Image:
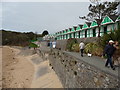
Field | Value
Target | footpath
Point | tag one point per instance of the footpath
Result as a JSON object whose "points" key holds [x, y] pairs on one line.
{"points": [[95, 61]]}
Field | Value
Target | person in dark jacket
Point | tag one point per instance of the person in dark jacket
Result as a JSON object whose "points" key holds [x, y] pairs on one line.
{"points": [[109, 51]]}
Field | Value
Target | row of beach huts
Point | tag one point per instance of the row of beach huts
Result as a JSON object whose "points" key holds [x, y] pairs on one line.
{"points": [[89, 29]]}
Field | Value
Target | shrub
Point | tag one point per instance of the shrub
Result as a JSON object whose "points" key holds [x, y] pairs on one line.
{"points": [[70, 43], [32, 45], [111, 36], [75, 47], [94, 49]]}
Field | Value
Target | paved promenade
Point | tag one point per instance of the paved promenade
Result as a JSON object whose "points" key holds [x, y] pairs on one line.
{"points": [[95, 61]]}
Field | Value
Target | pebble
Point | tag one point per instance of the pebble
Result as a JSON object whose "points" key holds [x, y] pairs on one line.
{"points": [[78, 68], [12, 68], [27, 79], [89, 68], [95, 79], [107, 79], [105, 85], [82, 65]]}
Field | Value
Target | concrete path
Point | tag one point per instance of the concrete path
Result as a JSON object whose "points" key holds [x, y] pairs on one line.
{"points": [[95, 61]]}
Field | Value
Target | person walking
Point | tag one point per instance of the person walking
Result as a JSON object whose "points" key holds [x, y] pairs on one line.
{"points": [[54, 44], [50, 44], [109, 51], [82, 46]]}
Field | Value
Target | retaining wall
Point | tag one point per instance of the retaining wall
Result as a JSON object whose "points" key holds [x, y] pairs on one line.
{"points": [[74, 73]]}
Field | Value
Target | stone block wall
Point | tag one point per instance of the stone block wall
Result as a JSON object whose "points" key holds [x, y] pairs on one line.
{"points": [[61, 44], [75, 73]]}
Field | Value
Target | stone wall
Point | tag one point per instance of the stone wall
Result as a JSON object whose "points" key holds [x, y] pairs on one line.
{"points": [[75, 73], [61, 44]]}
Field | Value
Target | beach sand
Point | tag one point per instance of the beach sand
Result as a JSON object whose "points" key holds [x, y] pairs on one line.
{"points": [[22, 69], [17, 70]]}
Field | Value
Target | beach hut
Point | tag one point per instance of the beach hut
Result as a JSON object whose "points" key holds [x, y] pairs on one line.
{"points": [[108, 24], [94, 28], [79, 27], [73, 32], [68, 33], [85, 30], [117, 22]]}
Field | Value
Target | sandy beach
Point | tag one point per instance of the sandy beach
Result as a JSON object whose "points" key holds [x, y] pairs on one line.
{"points": [[17, 70], [24, 69]]}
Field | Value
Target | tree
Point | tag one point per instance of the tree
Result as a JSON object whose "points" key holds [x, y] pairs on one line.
{"points": [[100, 10], [45, 33]]}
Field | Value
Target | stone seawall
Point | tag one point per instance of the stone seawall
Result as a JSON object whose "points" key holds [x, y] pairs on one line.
{"points": [[74, 73]]}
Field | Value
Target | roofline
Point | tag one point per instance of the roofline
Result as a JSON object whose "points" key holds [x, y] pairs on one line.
{"points": [[103, 19]]}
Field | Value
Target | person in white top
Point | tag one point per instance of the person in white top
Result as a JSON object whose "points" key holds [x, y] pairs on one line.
{"points": [[82, 46], [54, 44]]}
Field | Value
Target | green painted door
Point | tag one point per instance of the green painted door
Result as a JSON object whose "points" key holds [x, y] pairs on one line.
{"points": [[74, 35], [105, 30], [79, 34], [70, 35], [66, 36], [94, 32], [85, 33]]}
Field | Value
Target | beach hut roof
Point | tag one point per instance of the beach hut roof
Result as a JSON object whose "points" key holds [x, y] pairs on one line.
{"points": [[118, 18], [113, 17], [80, 25], [88, 23], [109, 19], [98, 21]]}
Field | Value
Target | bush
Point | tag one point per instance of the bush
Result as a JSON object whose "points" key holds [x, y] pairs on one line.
{"points": [[70, 43], [115, 36], [94, 49], [75, 47], [32, 45]]}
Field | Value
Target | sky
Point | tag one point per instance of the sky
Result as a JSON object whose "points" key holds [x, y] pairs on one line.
{"points": [[24, 16]]}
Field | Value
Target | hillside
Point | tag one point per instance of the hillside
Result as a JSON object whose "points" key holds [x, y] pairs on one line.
{"points": [[13, 38]]}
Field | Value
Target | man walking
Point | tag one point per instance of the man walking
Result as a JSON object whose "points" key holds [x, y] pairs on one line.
{"points": [[109, 50], [82, 46]]}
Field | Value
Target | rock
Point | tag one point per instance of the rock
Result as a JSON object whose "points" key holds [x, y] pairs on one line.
{"points": [[95, 79], [107, 79], [88, 67], [27, 79], [105, 85], [73, 76], [83, 65], [12, 69], [78, 68], [119, 59]]}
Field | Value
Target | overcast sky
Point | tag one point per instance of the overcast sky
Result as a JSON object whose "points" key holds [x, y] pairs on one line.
{"points": [[40, 16]]}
